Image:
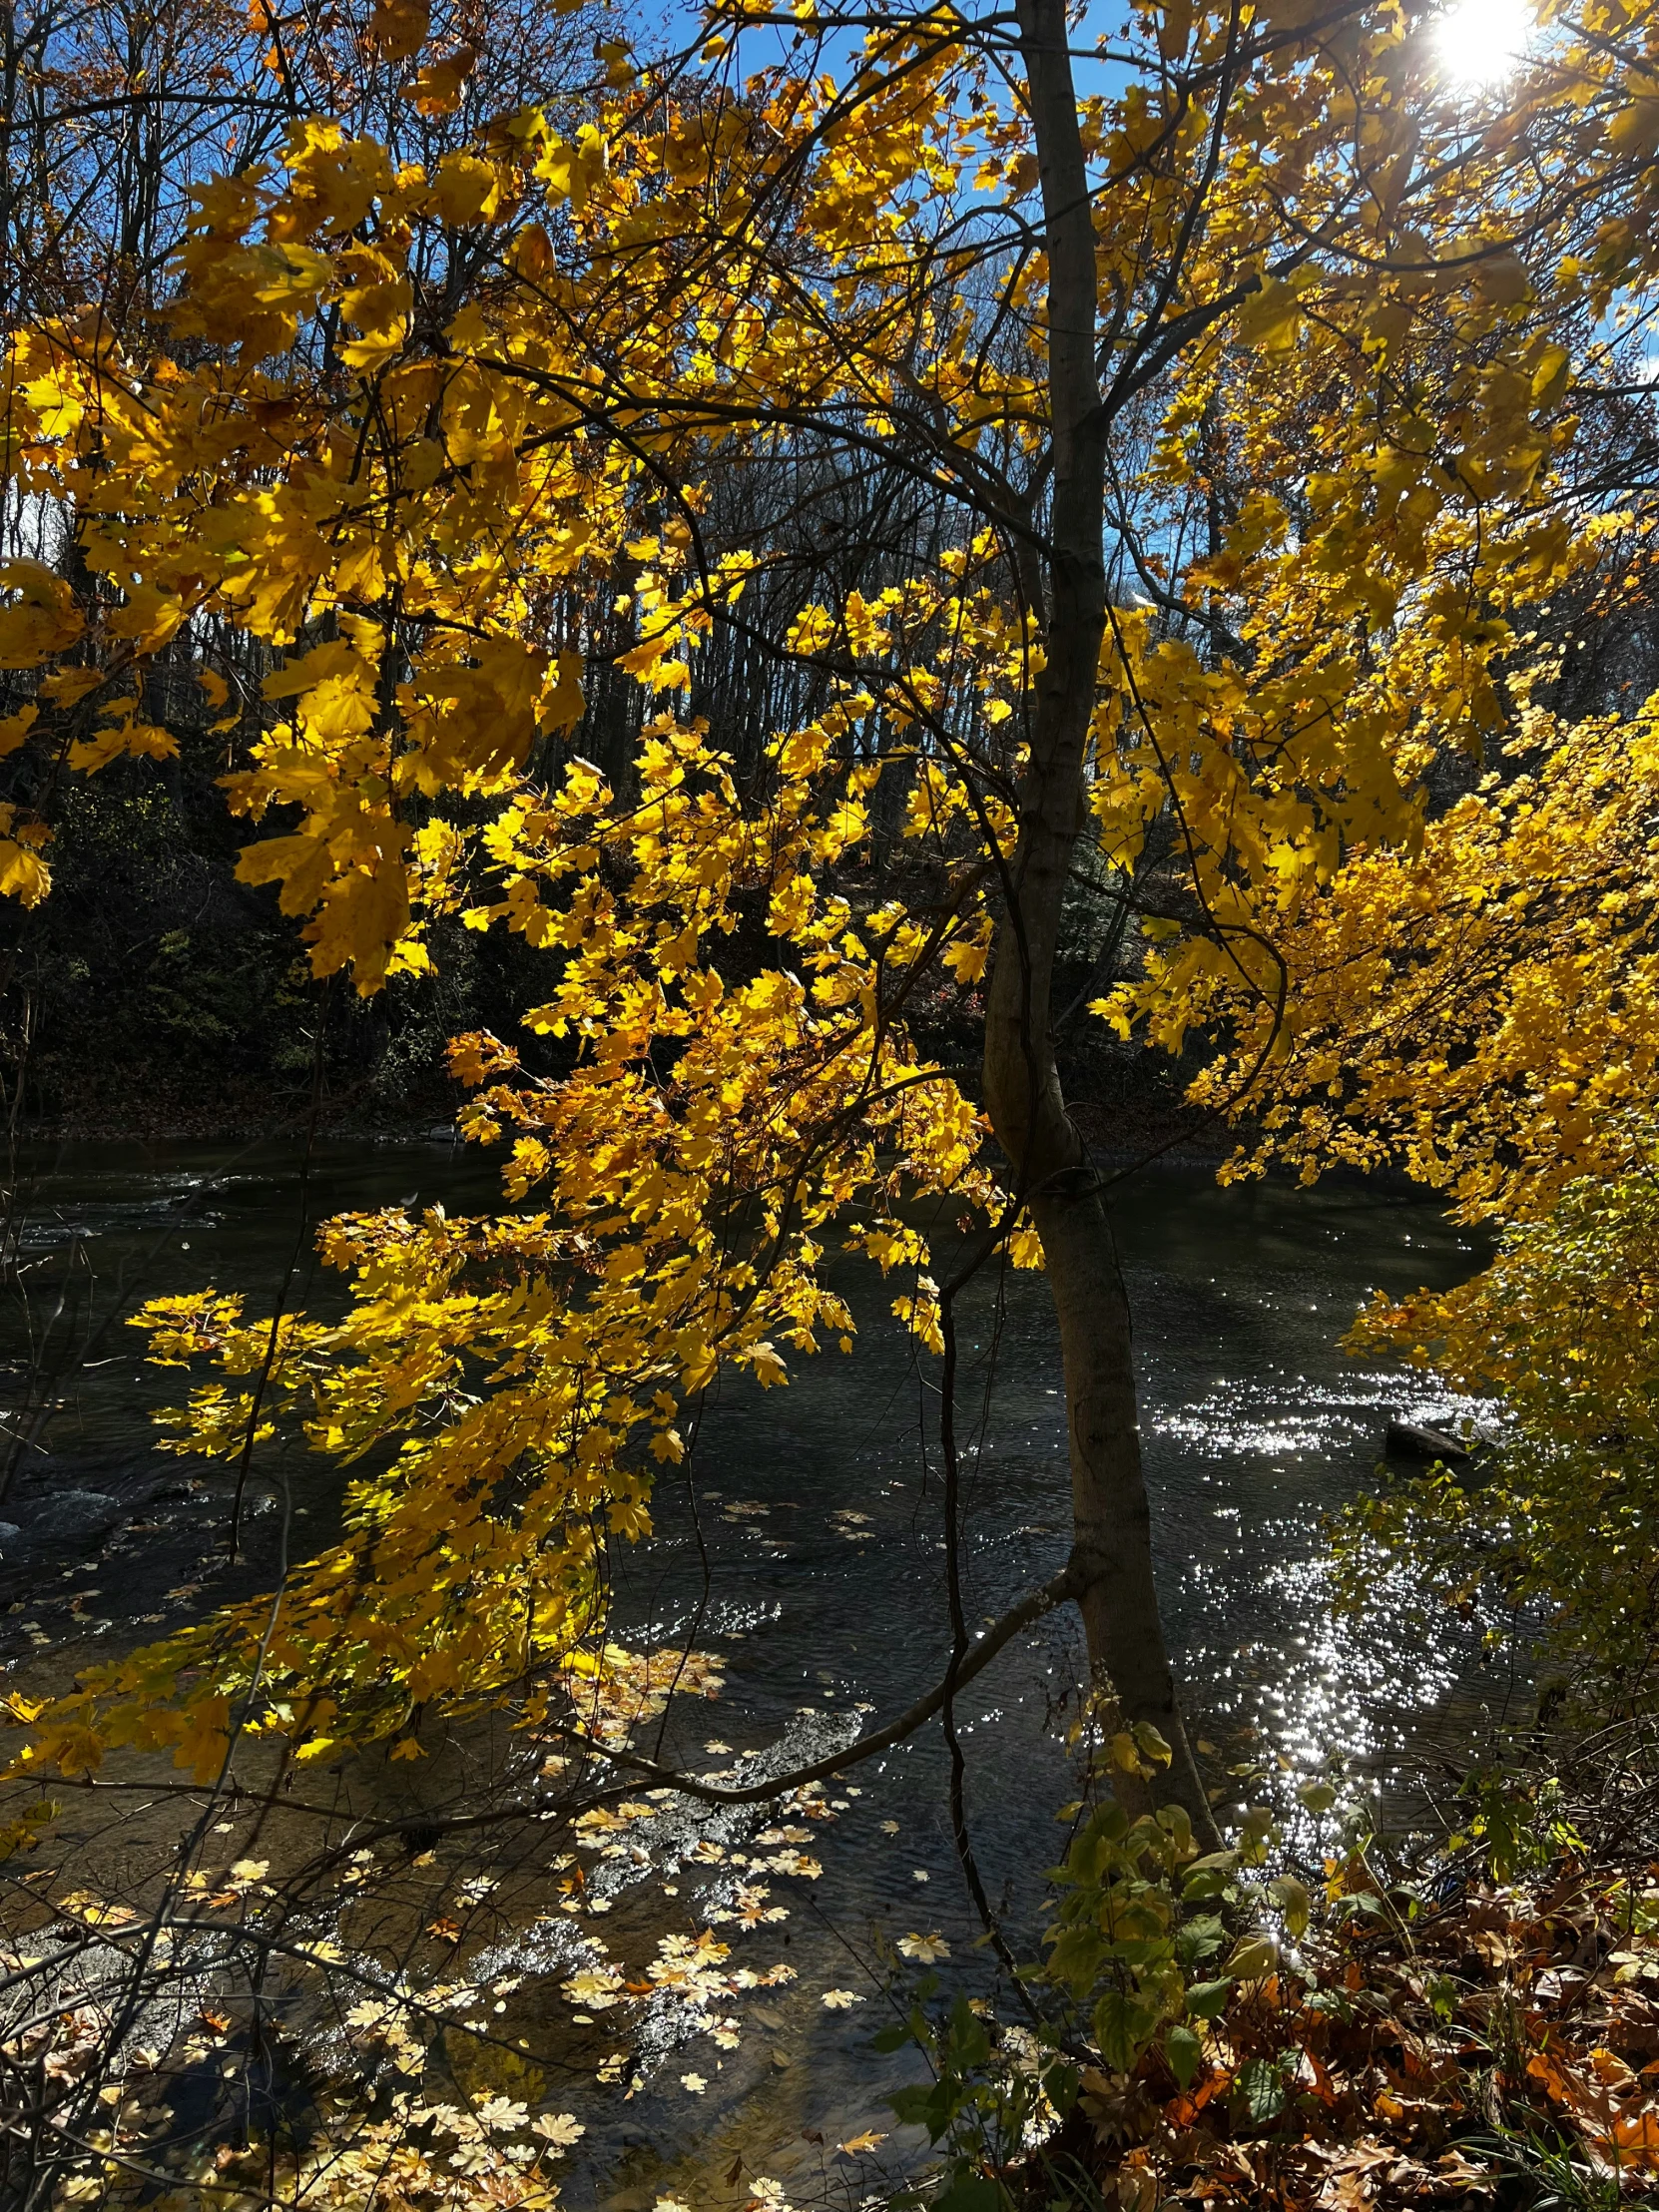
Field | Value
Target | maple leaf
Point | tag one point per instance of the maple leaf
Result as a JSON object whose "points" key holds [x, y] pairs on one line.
{"points": [[41, 621], [400, 26], [558, 2129]]}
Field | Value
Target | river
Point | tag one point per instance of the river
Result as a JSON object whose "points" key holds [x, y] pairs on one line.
{"points": [[818, 1511]]}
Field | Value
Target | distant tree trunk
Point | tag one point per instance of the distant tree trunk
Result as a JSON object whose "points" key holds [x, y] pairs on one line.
{"points": [[1111, 1515]]}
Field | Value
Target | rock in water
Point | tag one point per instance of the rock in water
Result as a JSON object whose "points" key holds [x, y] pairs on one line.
{"points": [[1409, 1440], [72, 1517]]}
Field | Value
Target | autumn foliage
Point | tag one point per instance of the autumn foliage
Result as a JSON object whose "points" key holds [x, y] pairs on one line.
{"points": [[1263, 421]]}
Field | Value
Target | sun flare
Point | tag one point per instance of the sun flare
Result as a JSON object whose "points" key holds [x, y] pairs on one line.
{"points": [[1479, 42]]}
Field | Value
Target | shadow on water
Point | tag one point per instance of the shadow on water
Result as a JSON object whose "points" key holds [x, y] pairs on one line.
{"points": [[818, 1509]]}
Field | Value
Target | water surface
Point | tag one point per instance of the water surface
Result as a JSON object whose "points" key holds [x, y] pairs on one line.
{"points": [[805, 1535]]}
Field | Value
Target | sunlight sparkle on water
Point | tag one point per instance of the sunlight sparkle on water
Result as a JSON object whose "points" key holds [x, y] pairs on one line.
{"points": [[1479, 42]]}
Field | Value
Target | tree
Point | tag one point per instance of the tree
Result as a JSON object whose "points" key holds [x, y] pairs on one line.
{"points": [[113, 112], [1482, 1010], [1240, 400]]}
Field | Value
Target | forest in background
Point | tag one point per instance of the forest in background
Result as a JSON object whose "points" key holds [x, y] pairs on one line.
{"points": [[155, 995]]}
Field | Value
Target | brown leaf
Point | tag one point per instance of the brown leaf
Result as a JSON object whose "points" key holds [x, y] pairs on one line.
{"points": [[1455, 2172], [1633, 2138], [1611, 2071], [1345, 2192]]}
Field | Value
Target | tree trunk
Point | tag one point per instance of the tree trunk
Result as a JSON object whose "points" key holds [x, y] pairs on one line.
{"points": [[1111, 1515]]}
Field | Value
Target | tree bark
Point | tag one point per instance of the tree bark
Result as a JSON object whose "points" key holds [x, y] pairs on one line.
{"points": [[1111, 1513]]}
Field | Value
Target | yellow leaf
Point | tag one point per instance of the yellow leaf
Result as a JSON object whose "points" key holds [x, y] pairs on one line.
{"points": [[149, 617], [400, 26], [571, 169], [465, 191], [381, 312], [438, 88], [122, 736], [67, 686], [562, 707], [967, 958], [285, 274], [14, 728], [44, 618], [1267, 319]]}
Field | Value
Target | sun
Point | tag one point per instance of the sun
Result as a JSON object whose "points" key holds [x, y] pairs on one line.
{"points": [[1479, 42]]}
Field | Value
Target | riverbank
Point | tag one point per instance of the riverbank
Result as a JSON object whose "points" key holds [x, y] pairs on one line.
{"points": [[1434, 2037], [385, 1076]]}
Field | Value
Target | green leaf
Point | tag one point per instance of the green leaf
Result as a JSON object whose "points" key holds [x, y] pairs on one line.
{"points": [[1184, 2048], [1206, 1998], [1363, 1905], [1208, 1877], [1199, 1938], [1123, 2027], [909, 2104], [1221, 1862], [1177, 1826], [1253, 1958], [1150, 1744], [1316, 1797], [1441, 1992], [1293, 1901], [1111, 1822], [1257, 1831], [1061, 2081], [1261, 2086], [971, 2043]]}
